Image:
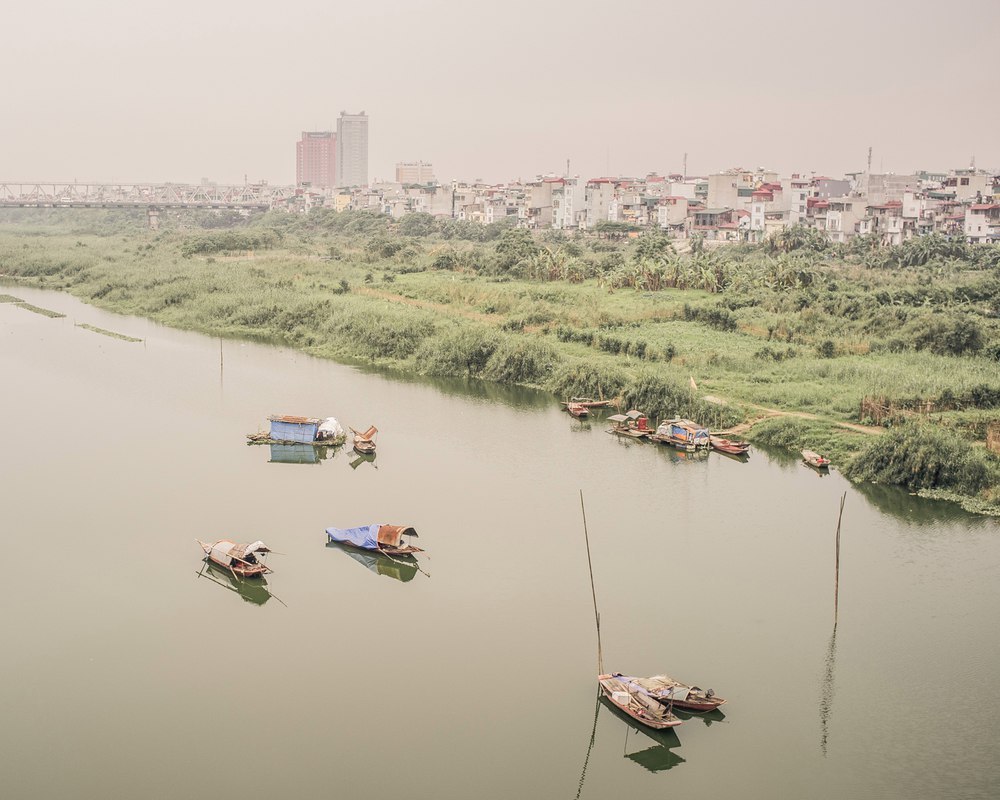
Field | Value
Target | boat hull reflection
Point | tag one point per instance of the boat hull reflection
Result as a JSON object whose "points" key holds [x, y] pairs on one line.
{"points": [[252, 590], [660, 756], [401, 568]]}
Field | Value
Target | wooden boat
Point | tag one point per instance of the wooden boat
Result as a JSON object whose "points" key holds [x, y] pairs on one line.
{"points": [[637, 703], [578, 410], [729, 446], [671, 692], [815, 460], [682, 434], [242, 560], [632, 424], [588, 402], [364, 443], [387, 539]]}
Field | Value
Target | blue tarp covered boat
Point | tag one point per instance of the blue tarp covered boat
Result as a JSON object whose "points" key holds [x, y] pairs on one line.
{"points": [[381, 538]]}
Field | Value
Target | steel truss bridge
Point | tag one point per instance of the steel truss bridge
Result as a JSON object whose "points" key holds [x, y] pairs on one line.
{"points": [[152, 196]]}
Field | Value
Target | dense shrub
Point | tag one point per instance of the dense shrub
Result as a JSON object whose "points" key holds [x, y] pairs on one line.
{"points": [[661, 398], [383, 335], [458, 352], [954, 336], [714, 317], [580, 379], [520, 360], [922, 456]]}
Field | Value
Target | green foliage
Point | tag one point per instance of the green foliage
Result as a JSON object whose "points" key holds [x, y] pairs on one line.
{"points": [[520, 360], [416, 224], [514, 250], [923, 456], [951, 336], [664, 398], [458, 352], [378, 334], [229, 241], [584, 379]]}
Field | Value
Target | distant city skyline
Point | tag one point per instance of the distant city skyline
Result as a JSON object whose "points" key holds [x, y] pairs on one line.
{"points": [[112, 93]]}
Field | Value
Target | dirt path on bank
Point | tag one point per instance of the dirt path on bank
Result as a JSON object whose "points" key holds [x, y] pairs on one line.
{"points": [[769, 413]]}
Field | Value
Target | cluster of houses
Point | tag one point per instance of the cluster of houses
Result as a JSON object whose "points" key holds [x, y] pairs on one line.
{"points": [[737, 205]]}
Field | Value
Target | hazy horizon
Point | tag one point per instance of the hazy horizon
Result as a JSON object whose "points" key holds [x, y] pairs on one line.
{"points": [[108, 91]]}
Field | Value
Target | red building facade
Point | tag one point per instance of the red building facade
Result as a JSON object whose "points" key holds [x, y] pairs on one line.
{"points": [[316, 159]]}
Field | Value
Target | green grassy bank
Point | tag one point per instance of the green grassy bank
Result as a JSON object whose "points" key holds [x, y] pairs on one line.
{"points": [[904, 338]]}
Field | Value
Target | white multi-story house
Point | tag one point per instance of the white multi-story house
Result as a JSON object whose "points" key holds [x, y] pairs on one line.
{"points": [[982, 223], [598, 196]]}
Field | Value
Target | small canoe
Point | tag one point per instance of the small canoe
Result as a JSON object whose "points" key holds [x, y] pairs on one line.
{"points": [[364, 443], [637, 703], [669, 691], [729, 446], [588, 402], [578, 410], [815, 460]]}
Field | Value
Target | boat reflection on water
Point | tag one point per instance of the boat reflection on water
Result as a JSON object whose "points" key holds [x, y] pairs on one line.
{"points": [[708, 717], [658, 758], [359, 459], [253, 590], [660, 755], [685, 456], [401, 568], [299, 454]]}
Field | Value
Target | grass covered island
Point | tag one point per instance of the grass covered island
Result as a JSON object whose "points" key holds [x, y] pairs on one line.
{"points": [[885, 359]]}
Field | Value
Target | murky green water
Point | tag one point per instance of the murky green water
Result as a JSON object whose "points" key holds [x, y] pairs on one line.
{"points": [[129, 670]]}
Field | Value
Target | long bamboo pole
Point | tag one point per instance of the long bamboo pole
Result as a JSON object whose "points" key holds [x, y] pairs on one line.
{"points": [[836, 577], [593, 591]]}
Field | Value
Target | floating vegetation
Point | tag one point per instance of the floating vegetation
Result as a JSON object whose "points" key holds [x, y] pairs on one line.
{"points": [[45, 312], [9, 298], [104, 332]]}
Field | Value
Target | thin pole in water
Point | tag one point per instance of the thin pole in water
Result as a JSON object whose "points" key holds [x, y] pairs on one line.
{"points": [[593, 592], [836, 578]]}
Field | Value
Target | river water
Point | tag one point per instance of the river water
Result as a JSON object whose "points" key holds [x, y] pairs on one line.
{"points": [[129, 670]]}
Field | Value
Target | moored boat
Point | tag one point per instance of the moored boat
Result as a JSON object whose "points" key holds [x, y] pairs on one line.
{"points": [[729, 446], [671, 692], [242, 560], [633, 424], [682, 434], [815, 460], [364, 443], [589, 402], [387, 539], [578, 410], [289, 429], [637, 703]]}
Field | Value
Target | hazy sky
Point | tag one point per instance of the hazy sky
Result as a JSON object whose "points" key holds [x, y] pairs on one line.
{"points": [[122, 90]]}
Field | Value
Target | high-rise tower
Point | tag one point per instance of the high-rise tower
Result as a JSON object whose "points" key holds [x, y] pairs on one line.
{"points": [[316, 159], [352, 149]]}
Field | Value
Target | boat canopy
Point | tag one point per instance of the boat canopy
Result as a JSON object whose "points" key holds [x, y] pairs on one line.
{"points": [[633, 414], [369, 537], [227, 553], [620, 418], [329, 428]]}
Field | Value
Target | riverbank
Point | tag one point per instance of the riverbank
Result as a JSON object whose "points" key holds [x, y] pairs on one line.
{"points": [[821, 335]]}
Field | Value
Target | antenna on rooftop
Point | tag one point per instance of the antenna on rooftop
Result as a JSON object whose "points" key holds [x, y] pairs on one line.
{"points": [[972, 164], [685, 166], [869, 161], [567, 167]]}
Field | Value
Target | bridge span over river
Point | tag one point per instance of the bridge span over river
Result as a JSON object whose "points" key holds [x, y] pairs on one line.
{"points": [[151, 196]]}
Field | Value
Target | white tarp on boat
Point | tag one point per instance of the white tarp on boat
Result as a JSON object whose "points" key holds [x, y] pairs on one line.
{"points": [[330, 429]]}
